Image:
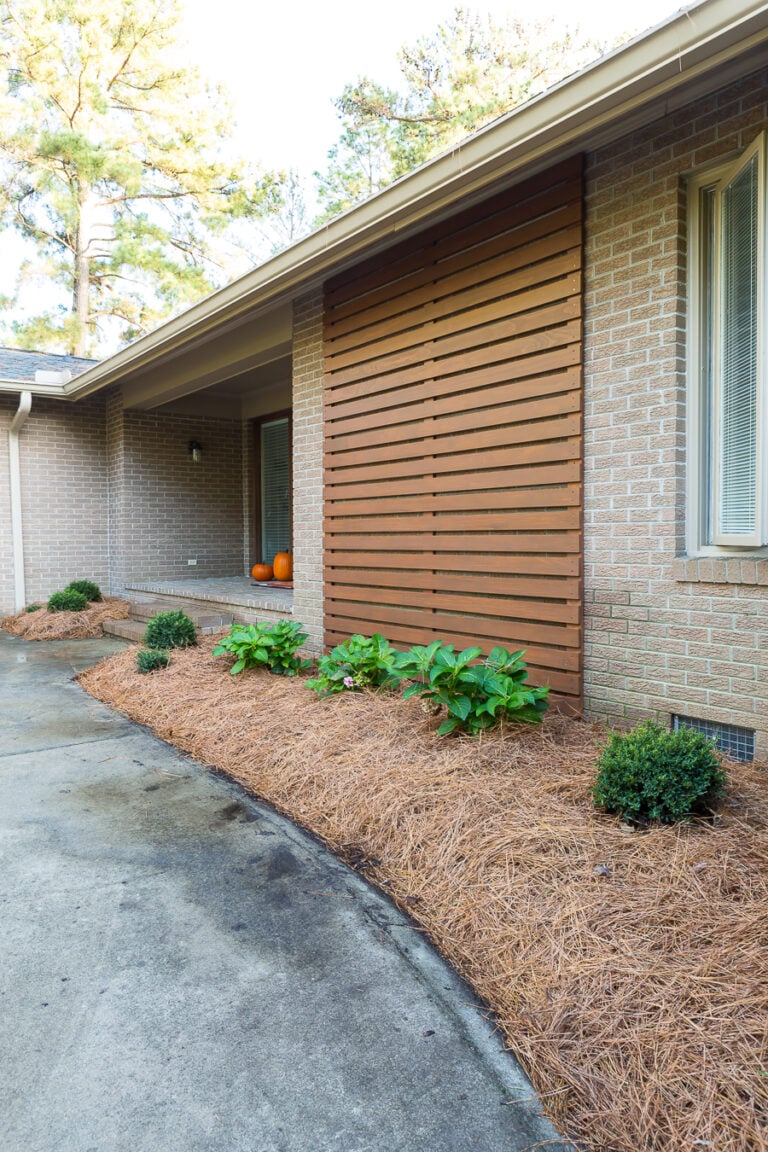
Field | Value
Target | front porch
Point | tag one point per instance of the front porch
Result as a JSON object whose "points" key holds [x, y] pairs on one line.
{"points": [[239, 595], [213, 603]]}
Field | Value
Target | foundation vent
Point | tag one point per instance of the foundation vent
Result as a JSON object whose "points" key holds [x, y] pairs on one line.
{"points": [[738, 743]]}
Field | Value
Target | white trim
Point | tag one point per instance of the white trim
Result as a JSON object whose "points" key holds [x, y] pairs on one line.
{"points": [[17, 522], [696, 531]]}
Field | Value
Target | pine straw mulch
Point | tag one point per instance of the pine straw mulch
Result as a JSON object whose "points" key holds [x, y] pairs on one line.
{"points": [[628, 970], [85, 625]]}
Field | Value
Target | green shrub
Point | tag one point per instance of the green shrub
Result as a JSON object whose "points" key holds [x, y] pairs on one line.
{"points": [[87, 588], [150, 659], [170, 630], [360, 662], [271, 646], [33, 607], [67, 601], [476, 696], [651, 773]]}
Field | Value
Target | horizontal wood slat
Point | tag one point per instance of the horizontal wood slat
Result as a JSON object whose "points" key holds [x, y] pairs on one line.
{"points": [[530, 477], [522, 564], [453, 442], [536, 241], [480, 583], [438, 419], [531, 331]]}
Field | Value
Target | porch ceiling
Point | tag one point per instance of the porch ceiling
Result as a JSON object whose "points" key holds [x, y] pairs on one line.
{"points": [[235, 358]]}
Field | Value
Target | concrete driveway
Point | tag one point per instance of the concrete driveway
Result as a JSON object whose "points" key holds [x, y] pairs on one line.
{"points": [[183, 970]]}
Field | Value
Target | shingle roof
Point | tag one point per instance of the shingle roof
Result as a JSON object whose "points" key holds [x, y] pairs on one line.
{"points": [[18, 364]]}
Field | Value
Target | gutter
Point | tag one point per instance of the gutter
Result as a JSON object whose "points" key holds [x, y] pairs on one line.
{"points": [[17, 524]]}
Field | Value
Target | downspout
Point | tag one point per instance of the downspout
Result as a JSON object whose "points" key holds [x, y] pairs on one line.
{"points": [[17, 524]]}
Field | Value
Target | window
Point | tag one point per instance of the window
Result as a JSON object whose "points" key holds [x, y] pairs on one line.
{"points": [[728, 442], [273, 487]]}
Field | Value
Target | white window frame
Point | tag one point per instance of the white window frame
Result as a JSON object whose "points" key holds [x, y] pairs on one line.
{"points": [[703, 342]]}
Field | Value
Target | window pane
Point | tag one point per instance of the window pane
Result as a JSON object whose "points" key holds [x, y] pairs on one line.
{"points": [[708, 298], [738, 355], [275, 489]]}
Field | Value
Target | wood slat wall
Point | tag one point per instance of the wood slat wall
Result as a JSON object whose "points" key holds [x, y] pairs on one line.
{"points": [[453, 434]]}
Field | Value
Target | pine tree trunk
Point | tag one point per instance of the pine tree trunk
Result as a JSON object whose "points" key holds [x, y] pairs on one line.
{"points": [[81, 284]]}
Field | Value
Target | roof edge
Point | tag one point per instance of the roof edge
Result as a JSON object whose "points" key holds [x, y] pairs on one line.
{"points": [[695, 41]]}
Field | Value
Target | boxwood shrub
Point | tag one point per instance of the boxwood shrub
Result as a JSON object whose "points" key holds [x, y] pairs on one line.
{"points": [[68, 600], [651, 773]]}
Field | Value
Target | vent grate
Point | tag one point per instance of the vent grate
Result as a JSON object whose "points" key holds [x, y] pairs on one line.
{"points": [[738, 743]]}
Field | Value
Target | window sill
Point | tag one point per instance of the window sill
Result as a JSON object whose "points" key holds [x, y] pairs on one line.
{"points": [[749, 569]]}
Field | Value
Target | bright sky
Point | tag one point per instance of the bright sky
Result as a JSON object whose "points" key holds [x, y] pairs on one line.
{"points": [[284, 62]]}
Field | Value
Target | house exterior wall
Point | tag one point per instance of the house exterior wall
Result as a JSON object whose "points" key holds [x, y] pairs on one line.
{"points": [[664, 634], [453, 454], [62, 450], [165, 510], [308, 465]]}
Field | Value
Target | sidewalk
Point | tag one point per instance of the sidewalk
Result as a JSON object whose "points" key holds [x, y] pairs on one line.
{"points": [[181, 970]]}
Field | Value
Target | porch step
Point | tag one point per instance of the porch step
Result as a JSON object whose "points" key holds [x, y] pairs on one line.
{"points": [[135, 626]]}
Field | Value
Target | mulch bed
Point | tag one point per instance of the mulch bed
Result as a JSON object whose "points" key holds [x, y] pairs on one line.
{"points": [[85, 625], [626, 968]]}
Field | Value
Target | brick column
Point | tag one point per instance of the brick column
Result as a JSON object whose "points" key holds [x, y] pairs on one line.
{"points": [[308, 465]]}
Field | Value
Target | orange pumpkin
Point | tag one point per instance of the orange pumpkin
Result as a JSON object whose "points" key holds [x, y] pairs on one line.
{"points": [[262, 572], [282, 566]]}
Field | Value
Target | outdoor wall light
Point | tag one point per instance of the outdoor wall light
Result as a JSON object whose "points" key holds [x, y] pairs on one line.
{"points": [[195, 451]]}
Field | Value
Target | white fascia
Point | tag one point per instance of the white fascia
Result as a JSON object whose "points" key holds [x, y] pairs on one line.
{"points": [[17, 522]]}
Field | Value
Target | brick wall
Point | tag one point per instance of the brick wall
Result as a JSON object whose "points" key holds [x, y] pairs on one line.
{"points": [[62, 450], [664, 634], [165, 510], [308, 465]]}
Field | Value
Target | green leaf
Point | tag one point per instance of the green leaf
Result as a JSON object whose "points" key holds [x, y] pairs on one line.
{"points": [[448, 726], [468, 655], [460, 706]]}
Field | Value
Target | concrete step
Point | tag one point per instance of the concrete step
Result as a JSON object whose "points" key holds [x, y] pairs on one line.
{"points": [[134, 628]]}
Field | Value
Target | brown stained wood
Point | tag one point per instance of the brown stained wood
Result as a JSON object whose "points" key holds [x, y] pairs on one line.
{"points": [[469, 289], [508, 432], [387, 285], [442, 564], [453, 433], [446, 502], [557, 667], [534, 331], [552, 544], [432, 266], [528, 476], [514, 455], [564, 637], [537, 239], [472, 325], [486, 409], [542, 520], [479, 584], [534, 197], [468, 604], [532, 375]]}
